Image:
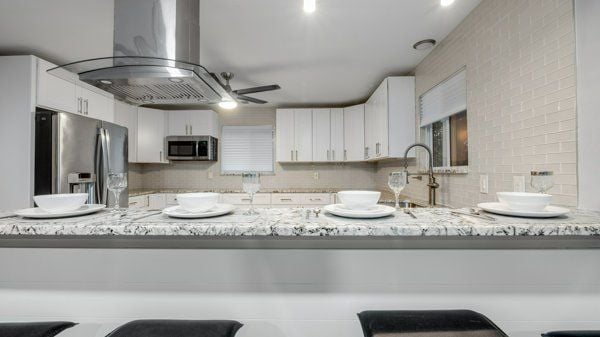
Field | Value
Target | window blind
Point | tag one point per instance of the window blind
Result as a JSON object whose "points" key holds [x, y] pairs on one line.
{"points": [[445, 99], [247, 149]]}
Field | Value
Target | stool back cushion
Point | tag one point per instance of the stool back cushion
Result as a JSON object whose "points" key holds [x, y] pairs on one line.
{"points": [[427, 323], [177, 328], [33, 329]]}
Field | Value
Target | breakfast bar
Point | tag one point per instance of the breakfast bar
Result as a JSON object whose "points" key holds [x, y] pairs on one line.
{"points": [[286, 228]]}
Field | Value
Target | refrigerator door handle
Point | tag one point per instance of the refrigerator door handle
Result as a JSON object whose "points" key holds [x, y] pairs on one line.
{"points": [[102, 166]]}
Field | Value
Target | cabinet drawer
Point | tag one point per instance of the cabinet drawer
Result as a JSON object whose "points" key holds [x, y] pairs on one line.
{"points": [[316, 199], [244, 199], [157, 201], [171, 199], [286, 199], [140, 201]]}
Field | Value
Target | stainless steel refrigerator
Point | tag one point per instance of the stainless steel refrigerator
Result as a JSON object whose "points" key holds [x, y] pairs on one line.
{"points": [[75, 154]]}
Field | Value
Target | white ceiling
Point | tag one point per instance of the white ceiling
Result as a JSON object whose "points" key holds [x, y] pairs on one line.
{"points": [[334, 56]]}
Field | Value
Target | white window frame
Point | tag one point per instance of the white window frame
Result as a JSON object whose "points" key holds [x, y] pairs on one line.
{"points": [[222, 158]]}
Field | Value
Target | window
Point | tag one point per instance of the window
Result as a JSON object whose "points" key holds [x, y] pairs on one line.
{"points": [[247, 149], [443, 111]]}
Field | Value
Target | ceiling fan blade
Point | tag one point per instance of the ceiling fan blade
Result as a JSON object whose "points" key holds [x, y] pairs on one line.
{"points": [[250, 99], [257, 89]]}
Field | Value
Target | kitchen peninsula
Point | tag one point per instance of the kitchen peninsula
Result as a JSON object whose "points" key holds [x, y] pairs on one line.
{"points": [[293, 228]]}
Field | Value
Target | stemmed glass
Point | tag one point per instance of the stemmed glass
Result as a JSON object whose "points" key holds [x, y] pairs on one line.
{"points": [[117, 182], [397, 182], [251, 185], [541, 181]]}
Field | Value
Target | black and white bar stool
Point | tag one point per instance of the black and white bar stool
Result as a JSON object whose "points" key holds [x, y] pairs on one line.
{"points": [[33, 329], [428, 323], [573, 333], [177, 328]]}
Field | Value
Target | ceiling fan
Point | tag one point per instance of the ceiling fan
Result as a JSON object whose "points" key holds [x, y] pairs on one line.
{"points": [[240, 94]]}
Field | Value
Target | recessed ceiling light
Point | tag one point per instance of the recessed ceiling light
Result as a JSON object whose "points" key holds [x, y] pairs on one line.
{"points": [[228, 104], [105, 82], [424, 44], [446, 3], [175, 80], [310, 6]]}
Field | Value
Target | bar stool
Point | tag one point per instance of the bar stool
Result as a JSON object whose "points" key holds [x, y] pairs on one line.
{"points": [[33, 329], [573, 333], [177, 328], [427, 323]]}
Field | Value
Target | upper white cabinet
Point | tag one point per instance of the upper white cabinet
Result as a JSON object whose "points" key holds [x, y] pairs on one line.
{"points": [[354, 133], [337, 134], [321, 131], [127, 115], [77, 97], [53, 92], [294, 135], [193, 122], [390, 118], [152, 128]]}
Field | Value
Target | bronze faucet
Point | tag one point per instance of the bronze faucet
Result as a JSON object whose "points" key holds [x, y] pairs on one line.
{"points": [[432, 183]]}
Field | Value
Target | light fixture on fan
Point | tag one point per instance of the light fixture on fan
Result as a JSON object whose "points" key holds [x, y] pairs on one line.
{"points": [[310, 6], [228, 105]]}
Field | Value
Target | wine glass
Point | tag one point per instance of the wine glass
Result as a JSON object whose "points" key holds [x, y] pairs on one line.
{"points": [[397, 182], [542, 181], [117, 182], [251, 185]]}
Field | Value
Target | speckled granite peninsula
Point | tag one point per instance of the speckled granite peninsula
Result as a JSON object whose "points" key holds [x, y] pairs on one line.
{"points": [[291, 223]]}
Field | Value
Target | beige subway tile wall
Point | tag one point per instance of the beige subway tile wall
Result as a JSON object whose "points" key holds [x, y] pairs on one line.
{"points": [[519, 56], [194, 175]]}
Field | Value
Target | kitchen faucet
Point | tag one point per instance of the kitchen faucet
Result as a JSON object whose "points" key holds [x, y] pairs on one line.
{"points": [[432, 184]]}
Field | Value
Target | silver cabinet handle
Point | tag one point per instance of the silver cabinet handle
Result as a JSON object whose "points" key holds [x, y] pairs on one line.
{"points": [[133, 203], [292, 155], [79, 105], [186, 130], [333, 155], [315, 199], [328, 158], [160, 153], [345, 154], [296, 155], [191, 132], [367, 152], [245, 199], [285, 199], [85, 106]]}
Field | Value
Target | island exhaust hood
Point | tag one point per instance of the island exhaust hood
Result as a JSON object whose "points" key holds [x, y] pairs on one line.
{"points": [[155, 56]]}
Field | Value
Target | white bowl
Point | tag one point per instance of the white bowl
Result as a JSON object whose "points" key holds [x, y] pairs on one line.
{"points": [[197, 202], [359, 200], [55, 203], [522, 201]]}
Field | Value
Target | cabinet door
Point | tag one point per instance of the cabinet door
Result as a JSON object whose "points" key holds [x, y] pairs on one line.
{"points": [[321, 130], [54, 92], [203, 123], [337, 134], [151, 135], [303, 135], [127, 115], [95, 105], [354, 136], [370, 127], [179, 122], [381, 120], [284, 130], [157, 201]]}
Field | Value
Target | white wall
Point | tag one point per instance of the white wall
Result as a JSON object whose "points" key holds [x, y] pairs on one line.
{"points": [[587, 30], [59, 31], [298, 293]]}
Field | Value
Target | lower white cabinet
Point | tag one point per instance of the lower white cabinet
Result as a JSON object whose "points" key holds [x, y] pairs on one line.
{"points": [[157, 201], [260, 199], [140, 201], [163, 200], [152, 125]]}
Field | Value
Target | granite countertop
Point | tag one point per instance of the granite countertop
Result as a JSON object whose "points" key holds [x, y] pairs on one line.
{"points": [[145, 191], [292, 222]]}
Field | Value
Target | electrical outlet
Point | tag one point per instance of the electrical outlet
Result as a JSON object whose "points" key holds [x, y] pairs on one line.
{"points": [[519, 183], [210, 175], [483, 184], [316, 175]]}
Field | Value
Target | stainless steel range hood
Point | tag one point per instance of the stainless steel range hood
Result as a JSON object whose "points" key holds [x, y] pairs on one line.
{"points": [[155, 56]]}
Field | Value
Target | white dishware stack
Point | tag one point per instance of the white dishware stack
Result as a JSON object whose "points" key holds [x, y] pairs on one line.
{"points": [[359, 204], [59, 206], [198, 205]]}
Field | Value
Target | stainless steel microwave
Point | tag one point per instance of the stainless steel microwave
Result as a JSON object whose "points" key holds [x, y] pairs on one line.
{"points": [[192, 148]]}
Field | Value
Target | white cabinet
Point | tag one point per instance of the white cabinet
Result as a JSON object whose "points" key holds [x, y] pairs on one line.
{"points": [[157, 201], [193, 122], [140, 201], [354, 133], [321, 131], [337, 134], [152, 126], [127, 115], [390, 118], [286, 199], [260, 199], [294, 135], [94, 105], [52, 91]]}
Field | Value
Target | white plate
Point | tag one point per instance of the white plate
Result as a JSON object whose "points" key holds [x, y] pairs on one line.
{"points": [[38, 213], [377, 212], [500, 208], [178, 212]]}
